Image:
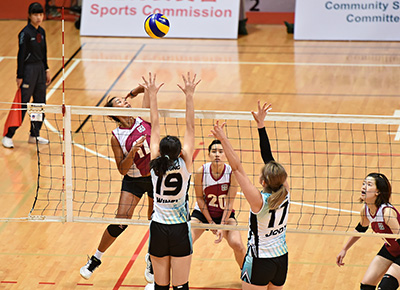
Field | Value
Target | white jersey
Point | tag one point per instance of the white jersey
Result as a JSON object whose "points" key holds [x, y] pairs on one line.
{"points": [[171, 194], [267, 229], [127, 137]]}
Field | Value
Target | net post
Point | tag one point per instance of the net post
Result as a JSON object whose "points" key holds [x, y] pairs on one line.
{"points": [[68, 163]]}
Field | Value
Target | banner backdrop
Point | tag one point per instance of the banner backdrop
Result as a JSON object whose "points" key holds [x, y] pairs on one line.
{"points": [[377, 20], [187, 18]]}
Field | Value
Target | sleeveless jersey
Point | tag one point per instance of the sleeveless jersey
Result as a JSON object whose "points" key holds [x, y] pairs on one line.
{"points": [[126, 138], [267, 230], [379, 226], [215, 190], [171, 194]]}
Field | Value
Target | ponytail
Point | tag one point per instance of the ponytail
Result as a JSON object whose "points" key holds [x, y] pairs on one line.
{"points": [[277, 197], [274, 176], [161, 164]]}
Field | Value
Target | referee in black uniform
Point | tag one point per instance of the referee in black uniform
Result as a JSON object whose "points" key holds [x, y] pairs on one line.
{"points": [[33, 72]]}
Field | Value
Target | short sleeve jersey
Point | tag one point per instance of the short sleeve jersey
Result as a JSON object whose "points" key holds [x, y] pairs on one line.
{"points": [[379, 225], [267, 230], [215, 190], [127, 138], [171, 194]]}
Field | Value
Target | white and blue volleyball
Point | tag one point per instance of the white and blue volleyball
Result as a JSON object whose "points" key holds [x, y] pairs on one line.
{"points": [[156, 25]]}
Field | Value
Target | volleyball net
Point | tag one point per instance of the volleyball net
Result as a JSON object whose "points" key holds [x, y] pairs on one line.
{"points": [[326, 156]]}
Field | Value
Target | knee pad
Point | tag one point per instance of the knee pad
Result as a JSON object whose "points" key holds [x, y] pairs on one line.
{"points": [[388, 282], [367, 287], [116, 230], [182, 287], [158, 287]]}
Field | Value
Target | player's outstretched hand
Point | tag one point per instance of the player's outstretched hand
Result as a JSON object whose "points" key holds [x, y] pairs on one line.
{"points": [[189, 84], [218, 131], [261, 113], [150, 85]]}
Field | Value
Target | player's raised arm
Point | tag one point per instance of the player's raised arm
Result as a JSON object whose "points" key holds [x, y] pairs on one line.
{"points": [[251, 193], [265, 146], [188, 145], [152, 89]]}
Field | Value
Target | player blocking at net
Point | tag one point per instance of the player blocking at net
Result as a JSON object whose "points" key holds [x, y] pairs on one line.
{"points": [[384, 218], [130, 144], [266, 261], [170, 244]]}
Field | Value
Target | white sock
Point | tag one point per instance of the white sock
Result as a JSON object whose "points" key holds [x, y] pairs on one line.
{"points": [[98, 254]]}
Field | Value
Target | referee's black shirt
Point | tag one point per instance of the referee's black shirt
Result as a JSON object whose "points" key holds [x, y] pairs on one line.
{"points": [[32, 48]]}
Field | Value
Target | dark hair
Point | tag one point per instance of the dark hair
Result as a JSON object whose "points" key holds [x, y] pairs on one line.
{"points": [[384, 188], [109, 104], [35, 7], [216, 141], [170, 149]]}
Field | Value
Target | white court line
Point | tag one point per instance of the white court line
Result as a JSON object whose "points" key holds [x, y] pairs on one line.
{"points": [[311, 205], [79, 145], [271, 63], [1, 58], [50, 94], [323, 207], [59, 82], [232, 62]]}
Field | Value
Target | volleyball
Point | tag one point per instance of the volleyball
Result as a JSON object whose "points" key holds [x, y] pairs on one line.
{"points": [[156, 25]]}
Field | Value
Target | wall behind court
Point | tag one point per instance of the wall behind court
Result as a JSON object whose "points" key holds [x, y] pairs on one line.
{"points": [[16, 9]]}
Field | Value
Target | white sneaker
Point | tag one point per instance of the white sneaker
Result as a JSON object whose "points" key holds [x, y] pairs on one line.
{"points": [[7, 142], [149, 286], [87, 270], [148, 272], [40, 140]]}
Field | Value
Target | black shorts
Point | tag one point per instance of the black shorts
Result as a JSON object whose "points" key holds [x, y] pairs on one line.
{"points": [[137, 185], [383, 252], [200, 216], [262, 271], [170, 240]]}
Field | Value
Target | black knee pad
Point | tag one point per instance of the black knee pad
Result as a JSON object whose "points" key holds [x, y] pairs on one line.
{"points": [[116, 230], [367, 287], [388, 282], [158, 287], [182, 287]]}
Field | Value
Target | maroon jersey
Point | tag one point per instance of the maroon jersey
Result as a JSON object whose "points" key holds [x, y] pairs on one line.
{"points": [[379, 226], [126, 138], [215, 190]]}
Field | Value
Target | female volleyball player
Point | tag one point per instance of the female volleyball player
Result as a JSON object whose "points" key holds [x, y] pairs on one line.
{"points": [[170, 245], [266, 261], [384, 218], [130, 144], [216, 188]]}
